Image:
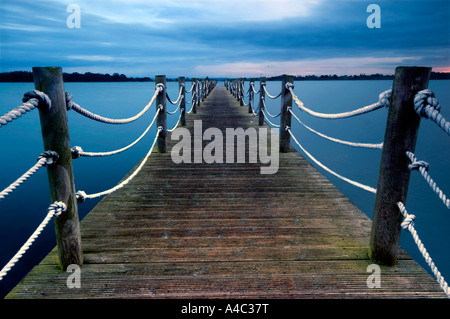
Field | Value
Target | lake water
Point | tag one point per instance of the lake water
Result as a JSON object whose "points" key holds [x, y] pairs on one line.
{"points": [[21, 143]]}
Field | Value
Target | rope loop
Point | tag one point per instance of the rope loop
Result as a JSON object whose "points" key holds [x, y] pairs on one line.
{"points": [[415, 165], [69, 101], [408, 222], [50, 156], [385, 98], [160, 87], [76, 152], [44, 102], [289, 85], [81, 196], [58, 208], [423, 100]]}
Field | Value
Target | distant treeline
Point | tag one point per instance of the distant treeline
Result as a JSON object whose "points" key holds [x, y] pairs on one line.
{"points": [[24, 76], [377, 76]]}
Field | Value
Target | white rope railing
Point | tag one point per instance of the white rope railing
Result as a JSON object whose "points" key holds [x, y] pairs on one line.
{"points": [[82, 196], [408, 224], [192, 108], [192, 98], [45, 159], [54, 210], [72, 105], [174, 111], [363, 145], [268, 113], [254, 111], [33, 99], [253, 89], [177, 123], [268, 121], [77, 151], [271, 96], [423, 167], [178, 98], [362, 186], [384, 100], [192, 87], [243, 101], [427, 106]]}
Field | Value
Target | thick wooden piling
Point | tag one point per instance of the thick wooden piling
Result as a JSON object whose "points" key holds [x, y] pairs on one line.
{"points": [[55, 135], [251, 96], [162, 116], [262, 97], [285, 120], [182, 87], [401, 134], [195, 99]]}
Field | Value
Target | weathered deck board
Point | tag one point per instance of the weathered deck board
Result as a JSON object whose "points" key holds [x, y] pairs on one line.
{"points": [[225, 230]]}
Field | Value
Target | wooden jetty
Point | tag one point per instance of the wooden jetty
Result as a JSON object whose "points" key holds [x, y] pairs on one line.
{"points": [[198, 230]]}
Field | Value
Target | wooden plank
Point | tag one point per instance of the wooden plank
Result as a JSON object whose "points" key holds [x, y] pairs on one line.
{"points": [[226, 231]]}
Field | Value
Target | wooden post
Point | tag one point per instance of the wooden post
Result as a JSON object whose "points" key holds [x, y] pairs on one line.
{"points": [[251, 95], [233, 87], [195, 98], [241, 92], [182, 86], [199, 82], [55, 135], [162, 116], [285, 120], [205, 90], [262, 97], [400, 136]]}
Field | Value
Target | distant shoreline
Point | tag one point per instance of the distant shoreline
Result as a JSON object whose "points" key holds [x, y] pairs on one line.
{"points": [[24, 76]]}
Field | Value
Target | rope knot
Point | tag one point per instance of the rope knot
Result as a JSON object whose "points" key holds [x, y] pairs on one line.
{"points": [[50, 156], [416, 165], [289, 85], [58, 208], [385, 98], [424, 100], [408, 222], [81, 196], [69, 101], [44, 102], [76, 152], [160, 87]]}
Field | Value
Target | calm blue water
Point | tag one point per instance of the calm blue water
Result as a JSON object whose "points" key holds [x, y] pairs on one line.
{"points": [[20, 141]]}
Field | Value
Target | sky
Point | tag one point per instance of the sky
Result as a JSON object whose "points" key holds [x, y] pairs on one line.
{"points": [[224, 38]]}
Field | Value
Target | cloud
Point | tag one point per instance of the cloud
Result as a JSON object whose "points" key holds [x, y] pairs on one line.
{"points": [[104, 58], [153, 12], [201, 37]]}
